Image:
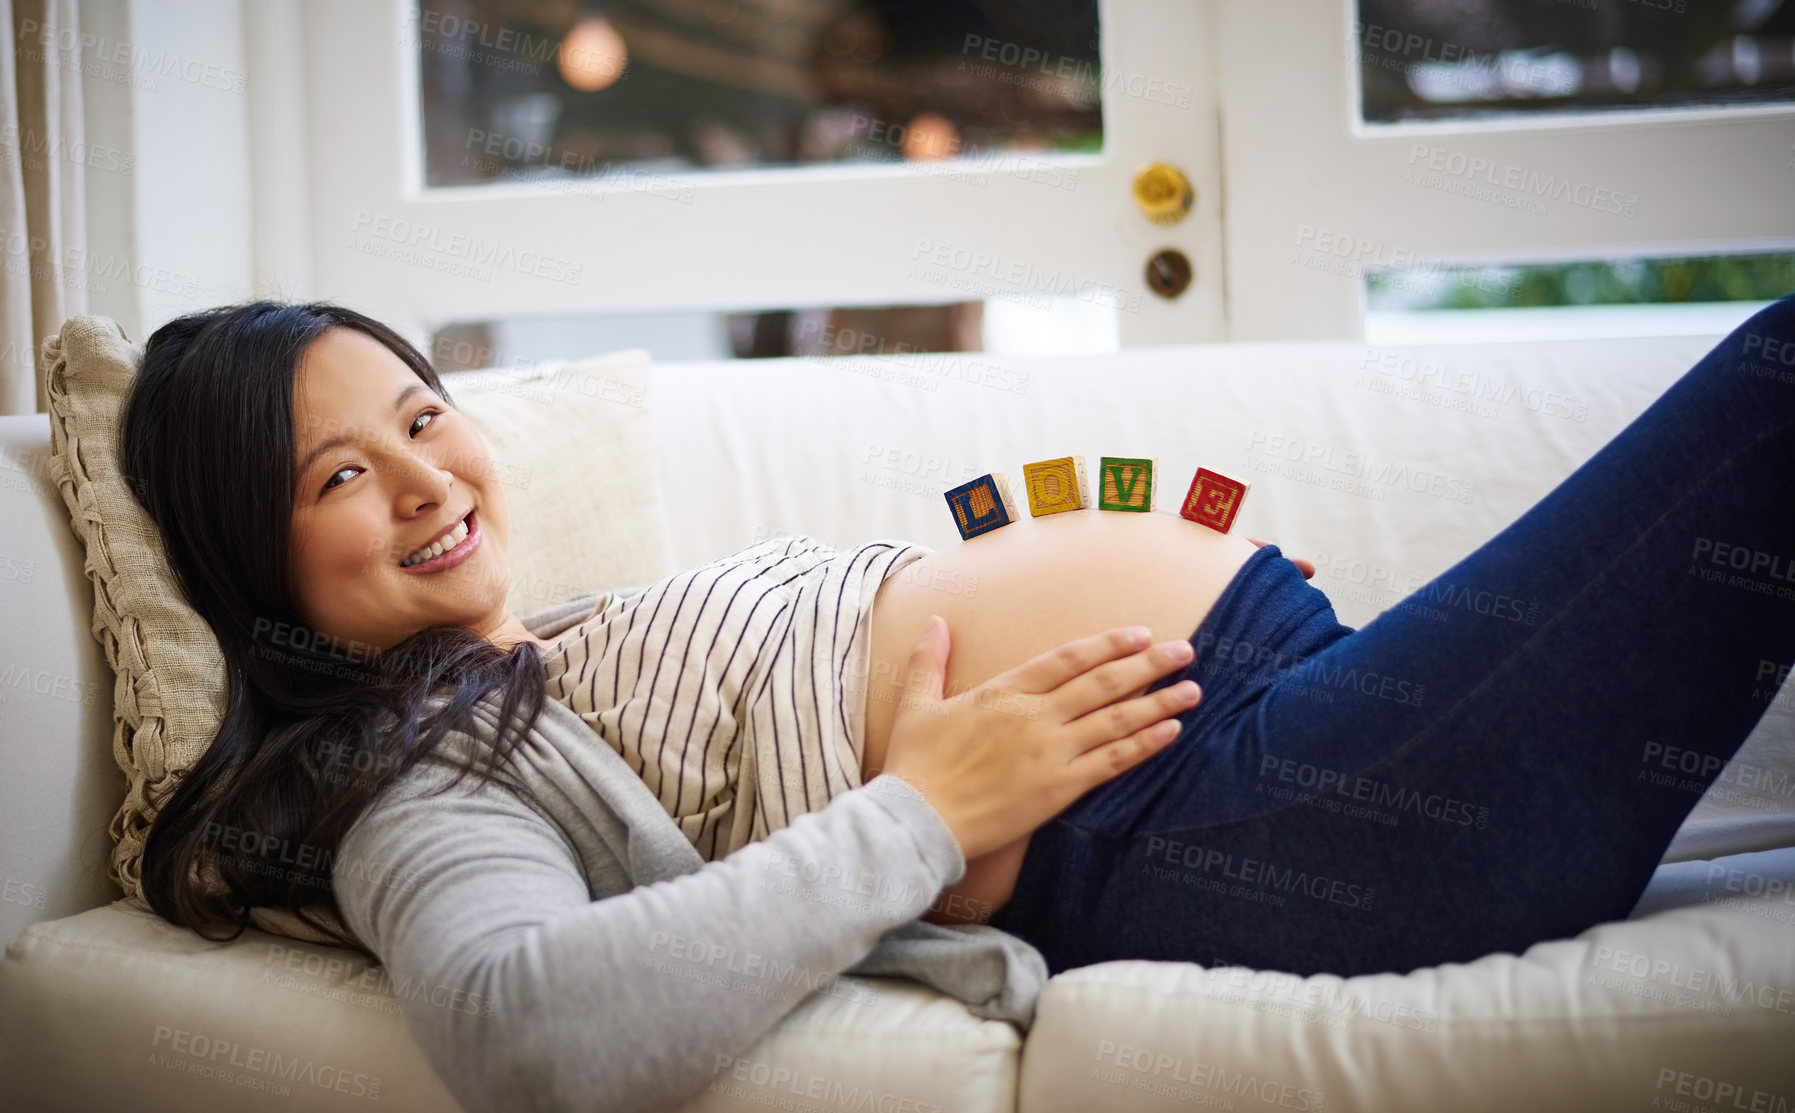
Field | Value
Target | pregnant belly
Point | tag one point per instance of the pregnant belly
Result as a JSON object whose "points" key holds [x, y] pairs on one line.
{"points": [[1035, 584], [1021, 590]]}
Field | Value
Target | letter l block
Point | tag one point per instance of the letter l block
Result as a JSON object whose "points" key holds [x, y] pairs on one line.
{"points": [[982, 505]]}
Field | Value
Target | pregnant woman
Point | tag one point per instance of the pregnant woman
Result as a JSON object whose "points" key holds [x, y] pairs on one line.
{"points": [[1450, 780]]}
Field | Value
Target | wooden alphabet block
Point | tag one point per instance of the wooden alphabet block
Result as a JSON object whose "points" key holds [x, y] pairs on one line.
{"points": [[1056, 485], [1127, 483], [982, 505], [1214, 500]]}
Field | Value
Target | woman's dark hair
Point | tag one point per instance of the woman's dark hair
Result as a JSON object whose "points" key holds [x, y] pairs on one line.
{"points": [[310, 734]]}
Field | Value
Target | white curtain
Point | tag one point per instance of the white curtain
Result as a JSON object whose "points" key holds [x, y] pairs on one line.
{"points": [[43, 194]]}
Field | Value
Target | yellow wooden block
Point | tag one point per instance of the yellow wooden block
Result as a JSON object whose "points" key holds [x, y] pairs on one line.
{"points": [[1056, 485]]}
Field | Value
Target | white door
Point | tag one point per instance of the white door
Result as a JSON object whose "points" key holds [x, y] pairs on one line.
{"points": [[1315, 196], [1019, 227]]}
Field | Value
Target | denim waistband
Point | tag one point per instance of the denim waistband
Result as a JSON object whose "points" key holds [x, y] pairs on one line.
{"points": [[1268, 619]]}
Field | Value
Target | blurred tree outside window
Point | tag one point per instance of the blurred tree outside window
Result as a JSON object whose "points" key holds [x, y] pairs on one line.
{"points": [[1717, 278]]}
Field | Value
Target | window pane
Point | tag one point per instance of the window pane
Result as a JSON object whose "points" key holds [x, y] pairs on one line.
{"points": [[883, 336], [1427, 59], [623, 94]]}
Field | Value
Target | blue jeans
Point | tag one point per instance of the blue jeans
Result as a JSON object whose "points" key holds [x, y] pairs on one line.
{"points": [[1501, 758]]}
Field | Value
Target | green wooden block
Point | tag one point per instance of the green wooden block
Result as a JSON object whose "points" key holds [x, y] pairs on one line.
{"points": [[1127, 483]]}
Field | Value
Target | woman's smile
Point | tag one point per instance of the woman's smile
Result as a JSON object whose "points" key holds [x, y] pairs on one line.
{"points": [[454, 546]]}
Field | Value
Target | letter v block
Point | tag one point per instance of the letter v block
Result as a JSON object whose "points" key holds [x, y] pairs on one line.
{"points": [[1127, 483], [1056, 485], [1214, 500], [982, 505]]}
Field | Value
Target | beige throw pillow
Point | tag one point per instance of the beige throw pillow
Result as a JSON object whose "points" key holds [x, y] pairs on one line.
{"points": [[575, 443], [573, 446]]}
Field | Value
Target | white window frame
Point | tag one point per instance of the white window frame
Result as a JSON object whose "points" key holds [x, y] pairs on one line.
{"points": [[1300, 164]]}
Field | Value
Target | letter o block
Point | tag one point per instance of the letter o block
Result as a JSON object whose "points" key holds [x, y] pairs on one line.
{"points": [[1214, 500], [982, 505], [1055, 486]]}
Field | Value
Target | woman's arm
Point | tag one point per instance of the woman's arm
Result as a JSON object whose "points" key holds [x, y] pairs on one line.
{"points": [[986, 887], [541, 998]]}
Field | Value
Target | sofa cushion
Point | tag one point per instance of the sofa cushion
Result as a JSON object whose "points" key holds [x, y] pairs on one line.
{"points": [[116, 1001], [1686, 1008], [169, 695]]}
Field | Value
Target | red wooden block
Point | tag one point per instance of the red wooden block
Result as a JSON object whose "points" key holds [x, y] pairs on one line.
{"points": [[1214, 500]]}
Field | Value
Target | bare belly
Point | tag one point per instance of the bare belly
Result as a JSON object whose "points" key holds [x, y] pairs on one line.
{"points": [[1026, 588]]}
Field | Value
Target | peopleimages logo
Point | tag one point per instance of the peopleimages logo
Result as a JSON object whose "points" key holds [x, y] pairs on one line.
{"points": [[242, 1064], [32, 147], [55, 41], [1530, 183], [1723, 1093], [1259, 873], [1023, 61], [1372, 791], [419, 236], [1161, 1067]]}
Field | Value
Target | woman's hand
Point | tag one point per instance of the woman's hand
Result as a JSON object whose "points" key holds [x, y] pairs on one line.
{"points": [[1306, 567], [1005, 757]]}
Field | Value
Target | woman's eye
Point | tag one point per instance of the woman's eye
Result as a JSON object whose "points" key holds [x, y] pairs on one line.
{"points": [[331, 481]]}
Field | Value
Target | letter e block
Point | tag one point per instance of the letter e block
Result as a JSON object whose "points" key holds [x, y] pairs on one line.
{"points": [[1214, 500], [1056, 485], [1127, 483], [982, 505]]}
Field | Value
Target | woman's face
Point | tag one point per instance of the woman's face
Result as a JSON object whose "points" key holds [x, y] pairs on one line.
{"points": [[386, 468]]}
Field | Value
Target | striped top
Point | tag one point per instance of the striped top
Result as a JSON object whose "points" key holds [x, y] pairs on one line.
{"points": [[736, 690]]}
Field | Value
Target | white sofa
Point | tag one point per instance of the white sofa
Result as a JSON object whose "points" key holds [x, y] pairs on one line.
{"points": [[1691, 1004]]}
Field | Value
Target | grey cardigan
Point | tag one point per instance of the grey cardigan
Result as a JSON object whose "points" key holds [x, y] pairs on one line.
{"points": [[579, 954]]}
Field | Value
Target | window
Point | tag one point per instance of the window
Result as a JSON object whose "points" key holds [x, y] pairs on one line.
{"points": [[1423, 60], [636, 89]]}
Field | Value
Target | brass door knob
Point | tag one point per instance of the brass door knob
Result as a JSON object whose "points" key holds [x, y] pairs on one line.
{"points": [[1163, 193]]}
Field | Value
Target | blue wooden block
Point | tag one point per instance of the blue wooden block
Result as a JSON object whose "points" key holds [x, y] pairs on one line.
{"points": [[982, 505]]}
